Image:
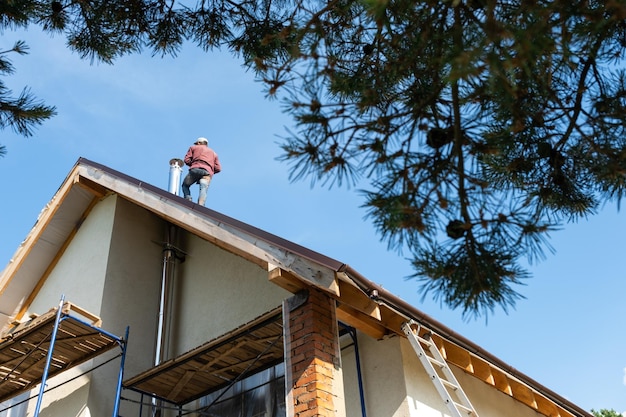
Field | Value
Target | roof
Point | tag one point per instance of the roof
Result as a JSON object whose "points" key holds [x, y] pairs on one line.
{"points": [[361, 303]]}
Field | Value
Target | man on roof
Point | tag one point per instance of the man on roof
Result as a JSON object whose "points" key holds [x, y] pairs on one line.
{"points": [[203, 163]]}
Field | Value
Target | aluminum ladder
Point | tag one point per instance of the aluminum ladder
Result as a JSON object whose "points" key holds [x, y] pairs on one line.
{"points": [[439, 371]]}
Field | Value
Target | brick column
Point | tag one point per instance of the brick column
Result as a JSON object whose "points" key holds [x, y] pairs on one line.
{"points": [[312, 358]]}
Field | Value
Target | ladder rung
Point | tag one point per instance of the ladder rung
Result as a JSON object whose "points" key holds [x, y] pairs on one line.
{"points": [[427, 342], [449, 384], [468, 410], [444, 379], [436, 362]]}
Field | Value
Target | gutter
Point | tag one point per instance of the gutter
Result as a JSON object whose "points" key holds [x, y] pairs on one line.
{"points": [[379, 294]]}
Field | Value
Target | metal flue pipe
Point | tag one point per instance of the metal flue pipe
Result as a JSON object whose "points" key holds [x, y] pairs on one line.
{"points": [[176, 169], [167, 275], [167, 285], [170, 255]]}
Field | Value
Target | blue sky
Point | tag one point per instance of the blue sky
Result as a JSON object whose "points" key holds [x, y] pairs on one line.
{"points": [[568, 334]]}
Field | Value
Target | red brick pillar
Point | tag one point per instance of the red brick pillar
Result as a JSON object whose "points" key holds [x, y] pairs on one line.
{"points": [[312, 360]]}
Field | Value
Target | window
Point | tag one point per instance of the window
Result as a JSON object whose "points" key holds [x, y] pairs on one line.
{"points": [[259, 395], [14, 407]]}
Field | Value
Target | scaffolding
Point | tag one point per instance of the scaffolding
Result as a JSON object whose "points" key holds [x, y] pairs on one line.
{"points": [[50, 344], [47, 345]]}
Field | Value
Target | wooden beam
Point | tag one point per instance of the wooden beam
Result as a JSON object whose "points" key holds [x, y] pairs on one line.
{"points": [[354, 308], [95, 320], [482, 371], [93, 187], [523, 393], [392, 319], [286, 280], [501, 381], [360, 321], [547, 407], [357, 299], [458, 356], [33, 236]]}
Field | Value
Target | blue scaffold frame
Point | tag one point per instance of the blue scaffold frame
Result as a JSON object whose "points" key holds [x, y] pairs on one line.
{"points": [[122, 342]]}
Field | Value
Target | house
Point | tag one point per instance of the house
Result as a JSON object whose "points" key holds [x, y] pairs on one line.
{"points": [[125, 299]]}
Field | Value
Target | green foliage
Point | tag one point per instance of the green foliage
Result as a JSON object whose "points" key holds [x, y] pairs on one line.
{"points": [[473, 127], [24, 112], [481, 126], [606, 413]]}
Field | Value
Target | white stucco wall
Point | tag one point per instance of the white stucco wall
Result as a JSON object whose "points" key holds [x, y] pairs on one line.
{"points": [[79, 273], [111, 268], [130, 298], [382, 375], [79, 276], [216, 292], [396, 384]]}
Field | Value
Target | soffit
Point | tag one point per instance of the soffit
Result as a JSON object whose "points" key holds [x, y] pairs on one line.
{"points": [[24, 349], [249, 349], [58, 220]]}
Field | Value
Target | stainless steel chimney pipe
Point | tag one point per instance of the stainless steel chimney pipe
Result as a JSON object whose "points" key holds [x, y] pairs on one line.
{"points": [[176, 169], [161, 350]]}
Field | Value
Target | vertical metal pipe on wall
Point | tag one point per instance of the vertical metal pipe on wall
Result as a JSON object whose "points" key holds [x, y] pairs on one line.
{"points": [[167, 273], [352, 332], [167, 285], [358, 371], [170, 256]]}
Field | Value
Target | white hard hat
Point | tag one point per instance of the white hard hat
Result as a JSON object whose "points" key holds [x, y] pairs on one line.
{"points": [[202, 140]]}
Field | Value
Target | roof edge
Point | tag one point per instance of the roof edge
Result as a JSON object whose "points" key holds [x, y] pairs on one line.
{"points": [[222, 218], [441, 329]]}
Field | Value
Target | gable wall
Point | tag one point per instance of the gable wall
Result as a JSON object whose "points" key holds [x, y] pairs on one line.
{"points": [[130, 298], [217, 292], [79, 276], [112, 268], [79, 273]]}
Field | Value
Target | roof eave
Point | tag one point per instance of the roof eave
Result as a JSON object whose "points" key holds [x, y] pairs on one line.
{"points": [[404, 309]]}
